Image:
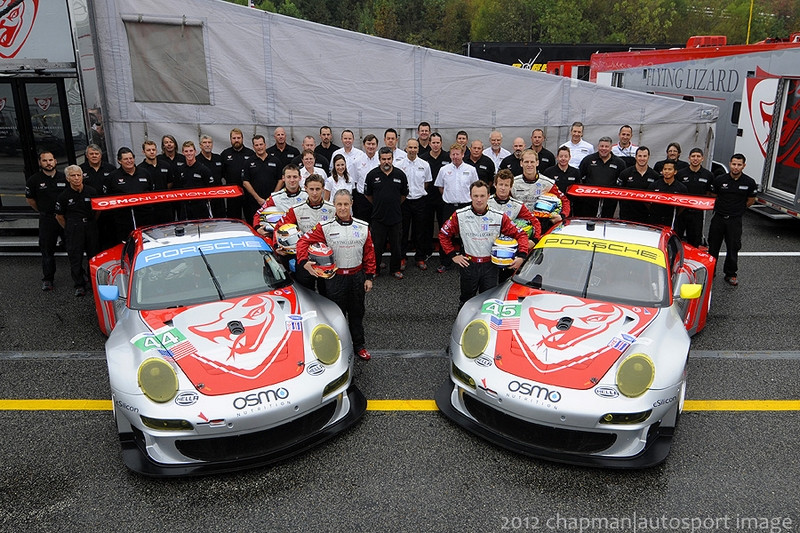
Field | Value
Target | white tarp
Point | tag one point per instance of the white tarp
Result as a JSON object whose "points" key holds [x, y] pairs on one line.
{"points": [[266, 70]]}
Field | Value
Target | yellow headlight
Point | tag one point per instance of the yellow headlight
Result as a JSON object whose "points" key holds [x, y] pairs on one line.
{"points": [[158, 380], [635, 375], [475, 338], [325, 344]]}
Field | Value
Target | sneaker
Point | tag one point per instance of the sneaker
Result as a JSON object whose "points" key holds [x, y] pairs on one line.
{"points": [[422, 265], [402, 264], [364, 355], [80, 291], [441, 269], [47, 285], [398, 275], [731, 280]]}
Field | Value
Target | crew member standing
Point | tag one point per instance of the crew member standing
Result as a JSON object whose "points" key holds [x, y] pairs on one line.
{"points": [[41, 192], [697, 181], [354, 254], [478, 227], [386, 188], [735, 192], [74, 213]]}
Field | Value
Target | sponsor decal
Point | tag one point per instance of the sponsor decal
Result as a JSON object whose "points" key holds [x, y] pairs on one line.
{"points": [[160, 340], [294, 322], [187, 398], [268, 397], [154, 197], [635, 251], [664, 401], [679, 200], [126, 406], [622, 343], [606, 392], [15, 26], [315, 368], [483, 361], [485, 388], [504, 315], [534, 391], [169, 253], [43, 103]]}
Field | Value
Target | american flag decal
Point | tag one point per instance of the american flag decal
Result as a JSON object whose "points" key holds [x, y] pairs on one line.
{"points": [[182, 350], [498, 323]]}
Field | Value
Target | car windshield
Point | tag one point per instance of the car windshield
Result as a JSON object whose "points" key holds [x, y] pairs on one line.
{"points": [[200, 278], [590, 273]]}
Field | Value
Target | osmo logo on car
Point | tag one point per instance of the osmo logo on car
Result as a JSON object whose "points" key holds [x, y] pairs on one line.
{"points": [[255, 399], [534, 391]]}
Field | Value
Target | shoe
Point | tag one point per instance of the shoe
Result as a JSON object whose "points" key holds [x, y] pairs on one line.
{"points": [[80, 291], [422, 265], [731, 280], [441, 269], [383, 265], [402, 264], [47, 285], [398, 275], [364, 355]]}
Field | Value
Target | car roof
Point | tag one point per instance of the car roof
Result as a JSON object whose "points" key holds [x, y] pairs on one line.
{"points": [[193, 232], [614, 230]]}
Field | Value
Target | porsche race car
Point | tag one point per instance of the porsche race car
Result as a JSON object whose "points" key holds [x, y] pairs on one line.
{"points": [[581, 357], [216, 360]]}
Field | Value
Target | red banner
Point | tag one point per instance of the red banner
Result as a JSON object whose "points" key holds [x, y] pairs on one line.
{"points": [[705, 203], [102, 203]]}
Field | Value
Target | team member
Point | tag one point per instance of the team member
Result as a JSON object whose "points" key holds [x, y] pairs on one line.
{"points": [[418, 174], [546, 157], [75, 215], [513, 162], [514, 209], [735, 192], [309, 165], [261, 177], [454, 182], [284, 199], [496, 152], [386, 188], [602, 169], [478, 226], [424, 137], [660, 213], [235, 162], [129, 179], [161, 177], [697, 181], [578, 148], [462, 138], [530, 185], [194, 175], [281, 150], [483, 164], [368, 160], [41, 192], [673, 154], [564, 175], [624, 149], [307, 215], [339, 178], [638, 177], [354, 254], [326, 148], [320, 161], [169, 153], [95, 173], [390, 140], [213, 162], [351, 154]]}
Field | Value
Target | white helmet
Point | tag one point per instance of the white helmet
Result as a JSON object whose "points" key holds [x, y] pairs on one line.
{"points": [[504, 250]]}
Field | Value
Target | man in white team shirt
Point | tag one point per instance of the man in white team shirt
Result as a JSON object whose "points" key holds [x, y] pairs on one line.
{"points": [[495, 151], [578, 148], [418, 173], [362, 208]]}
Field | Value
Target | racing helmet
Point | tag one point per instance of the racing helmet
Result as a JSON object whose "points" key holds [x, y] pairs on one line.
{"points": [[322, 257], [504, 250], [547, 204], [269, 217], [524, 225], [288, 235]]}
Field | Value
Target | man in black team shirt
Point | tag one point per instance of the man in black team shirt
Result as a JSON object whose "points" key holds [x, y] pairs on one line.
{"points": [[194, 175], [95, 173], [213, 162], [325, 148], [74, 213], [129, 179], [698, 181], [236, 160], [639, 176], [41, 192], [281, 150], [162, 178], [261, 177]]}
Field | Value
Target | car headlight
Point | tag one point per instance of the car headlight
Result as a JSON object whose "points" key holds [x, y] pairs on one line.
{"points": [[158, 380], [635, 375], [325, 344], [475, 338]]}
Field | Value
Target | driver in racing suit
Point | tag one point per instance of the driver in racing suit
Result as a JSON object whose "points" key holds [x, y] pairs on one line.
{"points": [[530, 185]]}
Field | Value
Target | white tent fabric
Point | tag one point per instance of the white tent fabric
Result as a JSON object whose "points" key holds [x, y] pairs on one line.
{"points": [[266, 70]]}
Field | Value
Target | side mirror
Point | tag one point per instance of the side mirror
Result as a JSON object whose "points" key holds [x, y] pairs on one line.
{"points": [[691, 291], [108, 293]]}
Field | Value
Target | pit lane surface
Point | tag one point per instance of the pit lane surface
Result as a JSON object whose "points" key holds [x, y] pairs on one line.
{"points": [[413, 470]]}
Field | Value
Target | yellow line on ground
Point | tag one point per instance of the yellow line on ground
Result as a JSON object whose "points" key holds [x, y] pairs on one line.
{"points": [[404, 405]]}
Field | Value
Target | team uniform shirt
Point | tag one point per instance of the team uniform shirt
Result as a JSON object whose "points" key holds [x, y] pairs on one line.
{"points": [[436, 163], [320, 161], [75, 205], [732, 194], [627, 154], [528, 192], [630, 178], [304, 173], [455, 182], [498, 157], [418, 173], [511, 163], [328, 152], [478, 232], [697, 183], [564, 178], [306, 216], [546, 158], [388, 192], [282, 200], [214, 165], [399, 155], [578, 151], [679, 165], [176, 162], [285, 156], [483, 166], [595, 171], [161, 174], [336, 184], [46, 190], [350, 241], [514, 209], [96, 178], [351, 159], [120, 182], [194, 176], [235, 164], [263, 175], [364, 165], [660, 213]]}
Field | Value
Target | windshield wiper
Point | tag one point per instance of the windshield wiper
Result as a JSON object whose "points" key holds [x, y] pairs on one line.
{"points": [[211, 273], [588, 275]]}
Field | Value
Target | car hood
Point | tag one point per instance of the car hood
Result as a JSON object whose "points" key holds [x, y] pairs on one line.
{"points": [[565, 340], [231, 345]]}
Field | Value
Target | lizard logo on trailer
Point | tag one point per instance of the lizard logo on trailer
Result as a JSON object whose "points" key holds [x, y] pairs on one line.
{"points": [[43, 103], [15, 26]]}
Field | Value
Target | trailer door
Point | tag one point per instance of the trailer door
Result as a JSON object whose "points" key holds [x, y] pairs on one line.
{"points": [[785, 170]]}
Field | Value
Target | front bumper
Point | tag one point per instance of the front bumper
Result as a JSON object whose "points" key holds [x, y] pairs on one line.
{"points": [[227, 453], [548, 442]]}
